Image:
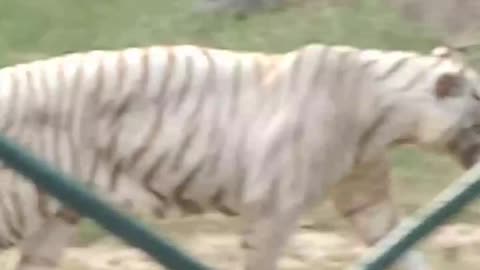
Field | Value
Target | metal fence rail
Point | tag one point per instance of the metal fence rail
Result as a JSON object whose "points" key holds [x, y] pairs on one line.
{"points": [[444, 206], [74, 195]]}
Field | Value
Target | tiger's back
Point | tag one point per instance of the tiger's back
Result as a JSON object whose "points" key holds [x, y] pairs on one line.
{"points": [[152, 112], [203, 128]]}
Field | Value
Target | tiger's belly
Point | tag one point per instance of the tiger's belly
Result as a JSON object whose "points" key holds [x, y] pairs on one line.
{"points": [[194, 186], [190, 164]]}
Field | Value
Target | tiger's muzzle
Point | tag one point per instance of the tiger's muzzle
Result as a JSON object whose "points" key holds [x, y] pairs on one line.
{"points": [[466, 148]]}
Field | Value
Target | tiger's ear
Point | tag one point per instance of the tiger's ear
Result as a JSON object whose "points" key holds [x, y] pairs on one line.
{"points": [[448, 85], [442, 51]]}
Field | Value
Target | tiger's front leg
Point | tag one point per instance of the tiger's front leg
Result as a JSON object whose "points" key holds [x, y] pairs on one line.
{"points": [[44, 248], [266, 237], [270, 223], [364, 198]]}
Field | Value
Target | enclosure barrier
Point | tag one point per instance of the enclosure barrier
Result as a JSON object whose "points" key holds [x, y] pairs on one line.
{"points": [[74, 195], [424, 221]]}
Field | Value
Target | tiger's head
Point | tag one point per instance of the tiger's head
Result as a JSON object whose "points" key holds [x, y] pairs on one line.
{"points": [[459, 93]]}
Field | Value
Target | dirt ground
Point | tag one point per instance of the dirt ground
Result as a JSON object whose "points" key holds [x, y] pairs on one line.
{"points": [[327, 244]]}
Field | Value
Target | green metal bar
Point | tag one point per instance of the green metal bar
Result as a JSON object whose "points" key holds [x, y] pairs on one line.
{"points": [[444, 206], [74, 195]]}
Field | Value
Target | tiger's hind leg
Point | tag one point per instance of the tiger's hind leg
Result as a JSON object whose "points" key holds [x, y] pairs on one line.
{"points": [[364, 198], [43, 249]]}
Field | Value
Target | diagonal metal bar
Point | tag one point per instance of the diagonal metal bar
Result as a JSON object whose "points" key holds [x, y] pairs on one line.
{"points": [[74, 195], [444, 206]]}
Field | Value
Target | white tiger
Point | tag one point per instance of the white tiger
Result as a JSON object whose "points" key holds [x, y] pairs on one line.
{"points": [[263, 136]]}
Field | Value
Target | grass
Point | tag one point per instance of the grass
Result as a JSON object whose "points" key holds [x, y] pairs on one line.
{"points": [[36, 29], [32, 29]]}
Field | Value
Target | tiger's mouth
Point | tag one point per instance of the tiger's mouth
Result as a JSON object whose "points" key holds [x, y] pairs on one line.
{"points": [[467, 155], [471, 156]]}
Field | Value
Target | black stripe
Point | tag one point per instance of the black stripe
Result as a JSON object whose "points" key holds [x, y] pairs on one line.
{"points": [[69, 216], [394, 68], [319, 67], [374, 129], [188, 206], [296, 68], [152, 135], [17, 205], [115, 125], [218, 203], [257, 70], [149, 176], [56, 121], [239, 163], [187, 82], [421, 75], [72, 98], [8, 220], [42, 202], [237, 86], [121, 110], [43, 144], [207, 84], [95, 98], [341, 67], [26, 259], [12, 104], [184, 147]]}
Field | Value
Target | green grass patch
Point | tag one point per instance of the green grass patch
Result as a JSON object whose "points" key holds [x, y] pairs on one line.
{"points": [[35, 29]]}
